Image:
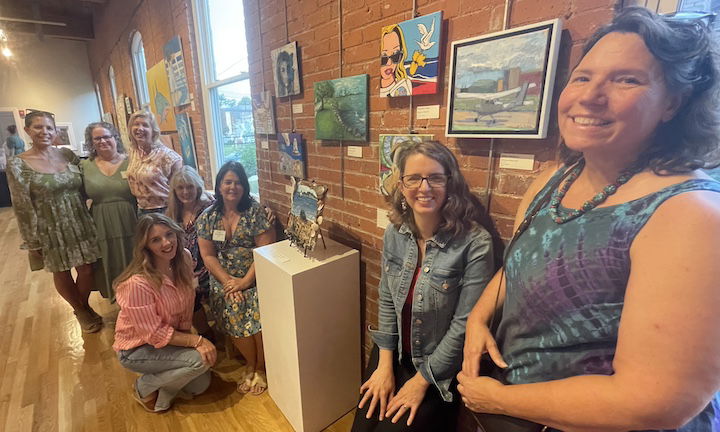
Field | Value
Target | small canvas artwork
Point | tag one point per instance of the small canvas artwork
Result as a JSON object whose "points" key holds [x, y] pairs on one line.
{"points": [[65, 136], [501, 84], [341, 109], [389, 146], [160, 101], [307, 203], [285, 70], [292, 155], [409, 56], [175, 68], [187, 143], [263, 116], [122, 119]]}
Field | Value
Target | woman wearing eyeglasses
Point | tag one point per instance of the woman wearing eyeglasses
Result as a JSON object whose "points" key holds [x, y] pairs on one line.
{"points": [[393, 78], [113, 209], [437, 258], [54, 222]]}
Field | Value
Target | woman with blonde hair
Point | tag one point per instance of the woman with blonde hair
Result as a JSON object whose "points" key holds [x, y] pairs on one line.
{"points": [[152, 334], [152, 164]]}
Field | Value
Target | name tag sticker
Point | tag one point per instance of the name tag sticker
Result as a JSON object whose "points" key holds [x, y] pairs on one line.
{"points": [[123, 174], [74, 169], [219, 235]]}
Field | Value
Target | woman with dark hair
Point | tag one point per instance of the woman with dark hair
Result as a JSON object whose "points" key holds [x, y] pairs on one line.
{"points": [[609, 293], [113, 208], [152, 334], [227, 233], [54, 221], [152, 164], [437, 258]]}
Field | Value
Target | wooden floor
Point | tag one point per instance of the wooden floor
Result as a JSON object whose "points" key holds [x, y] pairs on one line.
{"points": [[56, 379]]}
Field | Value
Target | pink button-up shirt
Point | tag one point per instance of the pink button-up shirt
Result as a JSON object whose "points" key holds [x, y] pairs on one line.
{"points": [[149, 315], [149, 175]]}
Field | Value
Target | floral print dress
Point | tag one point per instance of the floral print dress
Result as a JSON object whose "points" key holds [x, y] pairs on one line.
{"points": [[238, 319]]}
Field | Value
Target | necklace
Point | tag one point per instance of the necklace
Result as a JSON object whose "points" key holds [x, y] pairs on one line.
{"points": [[588, 205]]}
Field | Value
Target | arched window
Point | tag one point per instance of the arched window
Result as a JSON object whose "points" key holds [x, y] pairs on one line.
{"points": [[113, 87], [139, 67]]}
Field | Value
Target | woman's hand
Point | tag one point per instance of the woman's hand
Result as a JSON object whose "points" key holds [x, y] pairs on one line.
{"points": [[476, 393], [233, 288], [409, 397], [479, 340], [378, 389], [207, 351]]}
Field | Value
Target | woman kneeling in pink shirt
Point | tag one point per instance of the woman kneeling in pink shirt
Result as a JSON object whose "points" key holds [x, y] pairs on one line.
{"points": [[152, 334]]}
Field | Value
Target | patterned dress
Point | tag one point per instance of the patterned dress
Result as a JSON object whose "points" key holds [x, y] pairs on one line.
{"points": [[238, 319], [201, 273], [52, 215], [149, 175]]}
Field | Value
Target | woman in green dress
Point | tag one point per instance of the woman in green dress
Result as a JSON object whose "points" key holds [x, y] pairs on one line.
{"points": [[227, 233], [55, 225], [114, 208]]}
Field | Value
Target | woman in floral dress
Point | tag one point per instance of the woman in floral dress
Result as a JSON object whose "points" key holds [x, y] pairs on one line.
{"points": [[227, 233], [54, 222]]}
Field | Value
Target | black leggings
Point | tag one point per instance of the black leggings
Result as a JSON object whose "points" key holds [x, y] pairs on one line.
{"points": [[432, 415]]}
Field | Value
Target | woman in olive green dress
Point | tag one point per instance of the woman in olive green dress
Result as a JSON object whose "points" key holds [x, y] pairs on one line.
{"points": [[114, 208], [56, 227]]}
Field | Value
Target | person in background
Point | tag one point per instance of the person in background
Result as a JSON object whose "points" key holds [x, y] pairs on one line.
{"points": [[152, 164], [5, 200], [152, 334], [437, 258], [609, 294], [187, 201], [14, 145], [227, 232], [54, 221], [113, 208]]}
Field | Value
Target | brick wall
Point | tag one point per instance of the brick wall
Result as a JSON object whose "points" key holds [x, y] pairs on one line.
{"points": [[158, 21]]}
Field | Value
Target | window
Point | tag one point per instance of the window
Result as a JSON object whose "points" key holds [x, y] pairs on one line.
{"points": [[222, 48], [98, 96], [113, 88], [139, 70]]}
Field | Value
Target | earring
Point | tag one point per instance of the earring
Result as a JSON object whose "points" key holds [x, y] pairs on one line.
{"points": [[403, 205]]}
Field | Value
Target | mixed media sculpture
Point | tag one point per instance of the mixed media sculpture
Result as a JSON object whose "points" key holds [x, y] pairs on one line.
{"points": [[303, 227]]}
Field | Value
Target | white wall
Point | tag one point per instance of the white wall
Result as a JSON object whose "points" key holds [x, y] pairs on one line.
{"points": [[52, 75]]}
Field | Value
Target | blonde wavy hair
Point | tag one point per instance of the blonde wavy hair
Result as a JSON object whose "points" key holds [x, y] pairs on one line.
{"points": [[150, 117], [186, 176]]}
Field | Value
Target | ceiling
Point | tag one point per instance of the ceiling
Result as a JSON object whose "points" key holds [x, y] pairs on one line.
{"points": [[68, 19]]}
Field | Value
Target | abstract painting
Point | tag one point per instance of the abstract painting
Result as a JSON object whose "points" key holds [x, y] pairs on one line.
{"points": [[292, 155], [389, 146], [341, 109], [501, 84], [409, 56], [263, 116], [175, 67], [306, 206], [285, 70], [160, 102], [185, 135]]}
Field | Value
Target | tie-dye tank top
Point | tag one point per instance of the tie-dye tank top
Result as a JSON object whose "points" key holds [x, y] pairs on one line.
{"points": [[565, 290]]}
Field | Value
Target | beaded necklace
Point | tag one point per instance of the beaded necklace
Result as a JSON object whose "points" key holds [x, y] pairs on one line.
{"points": [[588, 205]]}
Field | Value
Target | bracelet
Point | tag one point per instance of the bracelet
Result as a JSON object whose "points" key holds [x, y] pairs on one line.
{"points": [[197, 344]]}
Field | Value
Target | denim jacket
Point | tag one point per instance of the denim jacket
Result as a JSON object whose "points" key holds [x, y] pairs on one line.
{"points": [[452, 277]]}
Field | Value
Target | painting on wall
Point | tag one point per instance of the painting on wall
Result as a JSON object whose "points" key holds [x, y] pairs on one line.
{"points": [[285, 70], [187, 143], [175, 67], [341, 109], [160, 102], [263, 116], [66, 137], [306, 207], [501, 84], [292, 154], [122, 119], [389, 146], [409, 56]]}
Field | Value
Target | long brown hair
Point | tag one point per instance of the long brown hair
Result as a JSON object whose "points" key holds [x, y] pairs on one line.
{"points": [[143, 262]]}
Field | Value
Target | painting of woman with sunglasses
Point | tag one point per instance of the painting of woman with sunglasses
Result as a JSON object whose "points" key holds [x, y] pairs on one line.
{"points": [[393, 78]]}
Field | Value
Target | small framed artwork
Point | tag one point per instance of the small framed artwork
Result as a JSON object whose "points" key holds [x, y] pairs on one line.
{"points": [[341, 109], [65, 136], [292, 154], [128, 105], [185, 136], [501, 84], [263, 116], [389, 146], [285, 70], [305, 218]]}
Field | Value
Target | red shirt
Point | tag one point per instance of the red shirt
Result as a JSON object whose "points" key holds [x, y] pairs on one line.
{"points": [[407, 314], [149, 315]]}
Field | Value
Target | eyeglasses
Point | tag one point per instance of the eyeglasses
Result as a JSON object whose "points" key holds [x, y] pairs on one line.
{"points": [[413, 181], [395, 58], [101, 138], [32, 113]]}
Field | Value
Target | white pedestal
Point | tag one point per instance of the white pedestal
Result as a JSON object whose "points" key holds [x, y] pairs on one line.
{"points": [[310, 313]]}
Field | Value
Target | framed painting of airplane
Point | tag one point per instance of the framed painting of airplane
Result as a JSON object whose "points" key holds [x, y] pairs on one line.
{"points": [[501, 84]]}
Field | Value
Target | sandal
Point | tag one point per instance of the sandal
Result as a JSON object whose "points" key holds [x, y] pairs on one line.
{"points": [[246, 384], [147, 402], [259, 383]]}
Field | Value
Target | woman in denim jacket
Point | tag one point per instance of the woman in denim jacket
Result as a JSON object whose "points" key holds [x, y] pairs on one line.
{"points": [[437, 259]]}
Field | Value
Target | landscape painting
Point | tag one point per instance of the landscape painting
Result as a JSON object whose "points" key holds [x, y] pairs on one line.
{"points": [[175, 65], [263, 116], [160, 101], [341, 109], [501, 84], [389, 146], [409, 56], [285, 70], [292, 155]]}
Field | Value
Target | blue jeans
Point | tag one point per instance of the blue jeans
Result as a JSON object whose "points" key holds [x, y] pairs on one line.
{"points": [[141, 212], [168, 369]]}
